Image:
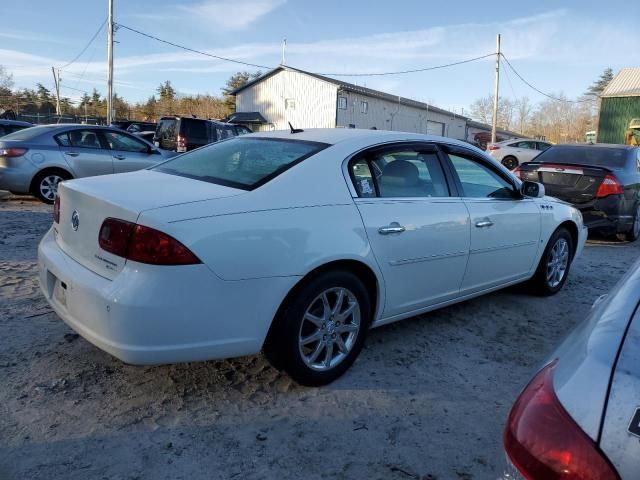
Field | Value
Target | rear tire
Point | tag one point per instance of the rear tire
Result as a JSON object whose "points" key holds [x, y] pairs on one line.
{"points": [[633, 234], [320, 331], [45, 184], [510, 162], [554, 265]]}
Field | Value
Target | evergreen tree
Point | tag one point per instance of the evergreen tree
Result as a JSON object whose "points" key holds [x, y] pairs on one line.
{"points": [[236, 80], [599, 85]]}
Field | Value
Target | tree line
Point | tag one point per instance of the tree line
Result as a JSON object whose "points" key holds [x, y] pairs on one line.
{"points": [[166, 100], [555, 119]]}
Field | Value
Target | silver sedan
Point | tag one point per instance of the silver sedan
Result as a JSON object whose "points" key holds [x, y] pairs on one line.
{"points": [[33, 161], [580, 415]]}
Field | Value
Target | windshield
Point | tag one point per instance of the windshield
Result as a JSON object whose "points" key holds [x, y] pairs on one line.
{"points": [[596, 156], [241, 162], [27, 133]]}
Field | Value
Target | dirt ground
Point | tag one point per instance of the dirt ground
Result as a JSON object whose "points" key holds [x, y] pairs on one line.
{"points": [[427, 399]]}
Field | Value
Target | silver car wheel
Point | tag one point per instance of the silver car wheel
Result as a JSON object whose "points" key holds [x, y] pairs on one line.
{"points": [[329, 329], [49, 186], [558, 262]]}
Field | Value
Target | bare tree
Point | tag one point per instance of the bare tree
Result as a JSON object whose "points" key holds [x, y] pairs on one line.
{"points": [[523, 112], [6, 79], [482, 109]]}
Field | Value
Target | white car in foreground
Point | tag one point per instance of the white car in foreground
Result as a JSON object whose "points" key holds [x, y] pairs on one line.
{"points": [[294, 243], [512, 153]]}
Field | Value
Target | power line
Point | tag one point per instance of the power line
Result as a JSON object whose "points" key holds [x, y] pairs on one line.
{"points": [[87, 45], [401, 72], [373, 74], [537, 89], [218, 57]]}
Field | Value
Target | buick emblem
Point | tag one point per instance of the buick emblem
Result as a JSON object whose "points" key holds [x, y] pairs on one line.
{"points": [[75, 220]]}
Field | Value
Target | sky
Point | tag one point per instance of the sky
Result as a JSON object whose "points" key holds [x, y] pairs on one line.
{"points": [[558, 46]]}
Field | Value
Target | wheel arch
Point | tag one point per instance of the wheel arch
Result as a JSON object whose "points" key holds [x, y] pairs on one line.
{"points": [[368, 276], [572, 228], [55, 169]]}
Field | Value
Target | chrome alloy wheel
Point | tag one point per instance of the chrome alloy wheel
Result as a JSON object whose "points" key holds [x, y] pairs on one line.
{"points": [[329, 329], [557, 262], [49, 186]]}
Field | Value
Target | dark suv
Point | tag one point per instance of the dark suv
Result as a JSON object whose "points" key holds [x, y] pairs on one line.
{"points": [[181, 134]]}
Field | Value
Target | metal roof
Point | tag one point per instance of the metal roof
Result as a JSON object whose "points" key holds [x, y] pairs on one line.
{"points": [[350, 87], [486, 126], [625, 84]]}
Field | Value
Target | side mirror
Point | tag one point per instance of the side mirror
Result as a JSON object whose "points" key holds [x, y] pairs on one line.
{"points": [[532, 189]]}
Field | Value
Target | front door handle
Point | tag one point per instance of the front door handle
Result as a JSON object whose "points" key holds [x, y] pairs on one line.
{"points": [[72, 154], [119, 157], [484, 224], [393, 227]]}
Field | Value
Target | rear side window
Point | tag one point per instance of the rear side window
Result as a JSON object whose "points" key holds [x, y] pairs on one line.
{"points": [[225, 132], [241, 162], [192, 128], [79, 138], [596, 156], [166, 128]]}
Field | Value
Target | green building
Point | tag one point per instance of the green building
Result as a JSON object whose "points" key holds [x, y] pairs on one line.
{"points": [[619, 105]]}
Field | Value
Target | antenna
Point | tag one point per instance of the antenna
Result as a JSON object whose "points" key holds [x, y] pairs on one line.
{"points": [[284, 51], [295, 130]]}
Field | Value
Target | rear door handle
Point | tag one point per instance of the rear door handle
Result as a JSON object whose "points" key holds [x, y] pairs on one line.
{"points": [[72, 154], [484, 224], [393, 227], [119, 157]]}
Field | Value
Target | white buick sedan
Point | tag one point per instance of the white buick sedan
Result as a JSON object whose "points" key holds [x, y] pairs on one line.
{"points": [[295, 244]]}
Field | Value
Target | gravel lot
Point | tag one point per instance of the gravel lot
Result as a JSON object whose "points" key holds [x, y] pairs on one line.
{"points": [[426, 399]]}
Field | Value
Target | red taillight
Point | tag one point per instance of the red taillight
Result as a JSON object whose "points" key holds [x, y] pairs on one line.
{"points": [[517, 173], [543, 441], [181, 144], [609, 186], [13, 152], [493, 147], [56, 209], [143, 244]]}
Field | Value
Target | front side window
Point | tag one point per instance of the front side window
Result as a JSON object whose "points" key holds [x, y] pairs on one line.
{"points": [[241, 162], [126, 143], [79, 138], [479, 181], [527, 145], [342, 103]]}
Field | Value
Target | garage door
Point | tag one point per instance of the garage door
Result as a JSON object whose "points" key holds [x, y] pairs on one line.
{"points": [[435, 128]]}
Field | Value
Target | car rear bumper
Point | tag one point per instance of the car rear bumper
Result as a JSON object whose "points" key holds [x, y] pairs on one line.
{"points": [[16, 174], [610, 214], [156, 314]]}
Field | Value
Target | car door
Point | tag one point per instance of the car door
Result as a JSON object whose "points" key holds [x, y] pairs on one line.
{"points": [[129, 153], [84, 152], [504, 227], [419, 233], [527, 151]]}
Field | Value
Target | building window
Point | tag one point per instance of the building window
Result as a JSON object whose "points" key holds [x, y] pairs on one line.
{"points": [[290, 103], [364, 107], [342, 103]]}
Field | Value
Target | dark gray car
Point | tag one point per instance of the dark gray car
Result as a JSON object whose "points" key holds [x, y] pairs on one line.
{"points": [[33, 161], [580, 415]]}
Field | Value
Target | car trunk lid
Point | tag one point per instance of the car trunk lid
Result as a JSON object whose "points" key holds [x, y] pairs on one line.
{"points": [[572, 183], [86, 203]]}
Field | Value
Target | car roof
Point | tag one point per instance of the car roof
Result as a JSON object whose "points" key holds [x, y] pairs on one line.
{"points": [[16, 122], [334, 136], [596, 145]]}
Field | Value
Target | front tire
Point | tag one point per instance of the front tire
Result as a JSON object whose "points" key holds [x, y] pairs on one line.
{"points": [[510, 162], [321, 330], [45, 184], [633, 234], [554, 265]]}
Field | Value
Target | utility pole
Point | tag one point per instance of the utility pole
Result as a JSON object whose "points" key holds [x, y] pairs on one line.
{"points": [[494, 123], [110, 61], [56, 82]]}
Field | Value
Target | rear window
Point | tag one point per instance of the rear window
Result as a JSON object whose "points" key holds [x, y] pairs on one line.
{"points": [[596, 156], [193, 128], [27, 133], [166, 128], [241, 162]]}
